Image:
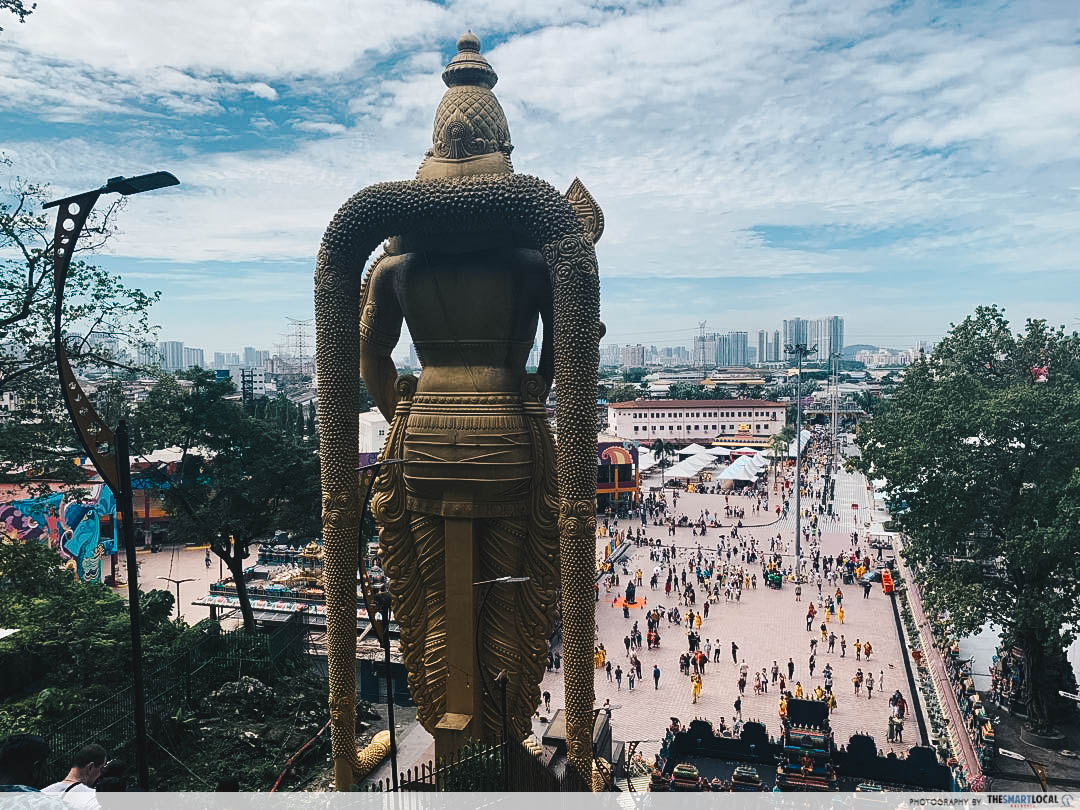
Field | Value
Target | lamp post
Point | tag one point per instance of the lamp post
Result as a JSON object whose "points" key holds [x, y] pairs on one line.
{"points": [[502, 679], [107, 449], [177, 583], [800, 352], [383, 617]]}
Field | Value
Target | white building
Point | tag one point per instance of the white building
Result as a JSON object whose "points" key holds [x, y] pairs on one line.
{"points": [[194, 357], [373, 427], [171, 353], [689, 420], [633, 356]]}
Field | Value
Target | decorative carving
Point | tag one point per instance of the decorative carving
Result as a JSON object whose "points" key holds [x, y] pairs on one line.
{"points": [[489, 452], [587, 209]]}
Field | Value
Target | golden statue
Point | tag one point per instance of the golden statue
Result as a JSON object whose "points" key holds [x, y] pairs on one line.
{"points": [[475, 257]]}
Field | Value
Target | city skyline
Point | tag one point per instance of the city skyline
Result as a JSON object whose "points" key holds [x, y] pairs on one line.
{"points": [[902, 162]]}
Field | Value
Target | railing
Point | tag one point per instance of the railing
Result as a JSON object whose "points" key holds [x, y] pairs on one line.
{"points": [[216, 659], [480, 767]]}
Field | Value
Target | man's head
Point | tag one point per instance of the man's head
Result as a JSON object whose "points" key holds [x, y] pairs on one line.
{"points": [[22, 760], [88, 762]]}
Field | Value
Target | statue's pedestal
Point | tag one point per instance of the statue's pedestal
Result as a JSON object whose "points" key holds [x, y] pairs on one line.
{"points": [[452, 732]]}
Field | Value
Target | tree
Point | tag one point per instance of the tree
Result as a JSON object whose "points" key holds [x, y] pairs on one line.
{"points": [[634, 375], [778, 445], [103, 323], [74, 641], [18, 8], [980, 458], [240, 476]]}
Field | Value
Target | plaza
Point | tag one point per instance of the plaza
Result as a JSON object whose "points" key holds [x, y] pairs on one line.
{"points": [[767, 625]]}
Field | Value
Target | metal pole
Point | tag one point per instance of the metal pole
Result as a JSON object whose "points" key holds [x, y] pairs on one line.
{"points": [[384, 608], [124, 502], [798, 464], [501, 679]]}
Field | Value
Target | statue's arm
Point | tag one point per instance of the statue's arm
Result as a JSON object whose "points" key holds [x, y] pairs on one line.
{"points": [[380, 328]]}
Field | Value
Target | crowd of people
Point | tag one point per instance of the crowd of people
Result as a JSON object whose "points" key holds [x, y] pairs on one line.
{"points": [[683, 585]]}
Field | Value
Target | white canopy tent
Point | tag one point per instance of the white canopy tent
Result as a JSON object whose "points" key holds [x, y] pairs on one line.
{"points": [[691, 466], [741, 470], [690, 450], [804, 438]]}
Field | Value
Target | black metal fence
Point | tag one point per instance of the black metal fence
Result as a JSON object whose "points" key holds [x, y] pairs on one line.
{"points": [[216, 659], [491, 767]]}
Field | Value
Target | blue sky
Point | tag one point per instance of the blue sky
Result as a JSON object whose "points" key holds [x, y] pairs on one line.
{"points": [[897, 163]]}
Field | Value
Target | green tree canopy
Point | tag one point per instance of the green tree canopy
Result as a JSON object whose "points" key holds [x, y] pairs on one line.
{"points": [[981, 459], [104, 324], [241, 475]]}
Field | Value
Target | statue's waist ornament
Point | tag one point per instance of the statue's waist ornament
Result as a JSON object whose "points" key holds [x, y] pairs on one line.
{"points": [[479, 443]]}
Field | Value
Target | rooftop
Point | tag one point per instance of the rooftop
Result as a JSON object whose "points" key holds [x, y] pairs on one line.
{"points": [[697, 403]]}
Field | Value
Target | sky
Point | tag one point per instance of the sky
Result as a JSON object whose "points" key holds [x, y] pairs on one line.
{"points": [[895, 163]]}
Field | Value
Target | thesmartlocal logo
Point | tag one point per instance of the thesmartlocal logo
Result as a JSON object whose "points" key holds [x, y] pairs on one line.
{"points": [[1030, 799]]}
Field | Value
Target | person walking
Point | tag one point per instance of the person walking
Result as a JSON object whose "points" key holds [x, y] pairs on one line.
{"points": [[734, 653], [607, 668], [869, 685], [626, 643], [775, 671], [840, 613], [618, 678], [857, 681], [843, 646], [790, 669], [630, 678], [858, 650], [832, 642], [695, 688], [866, 650], [547, 701], [798, 593], [656, 676], [812, 663], [738, 707]]}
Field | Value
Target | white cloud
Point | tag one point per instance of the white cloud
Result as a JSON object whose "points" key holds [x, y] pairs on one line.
{"points": [[325, 127], [691, 122], [263, 90]]}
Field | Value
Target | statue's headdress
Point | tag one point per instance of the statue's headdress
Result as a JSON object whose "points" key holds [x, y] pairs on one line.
{"points": [[470, 126]]}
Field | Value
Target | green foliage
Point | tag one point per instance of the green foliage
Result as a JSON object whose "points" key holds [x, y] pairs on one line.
{"points": [[241, 475], [73, 647], [104, 322], [622, 393], [697, 391], [634, 375], [18, 8], [985, 459]]}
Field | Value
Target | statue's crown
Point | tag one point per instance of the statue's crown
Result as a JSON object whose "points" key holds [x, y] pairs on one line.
{"points": [[470, 121]]}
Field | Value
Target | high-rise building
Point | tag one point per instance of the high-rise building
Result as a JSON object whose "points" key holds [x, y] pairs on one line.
{"points": [[171, 353], [633, 356], [249, 356], [824, 335], [763, 346], [777, 353], [194, 357], [835, 330], [219, 360]]}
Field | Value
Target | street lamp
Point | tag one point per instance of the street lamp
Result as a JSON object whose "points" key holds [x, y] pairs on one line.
{"points": [[801, 352], [382, 617], [106, 448], [177, 583], [502, 679]]}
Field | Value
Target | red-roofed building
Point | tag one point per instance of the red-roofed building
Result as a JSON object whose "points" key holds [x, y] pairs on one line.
{"points": [[696, 420]]}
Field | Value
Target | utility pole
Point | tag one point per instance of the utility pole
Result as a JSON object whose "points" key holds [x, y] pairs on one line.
{"points": [[835, 357], [800, 352]]}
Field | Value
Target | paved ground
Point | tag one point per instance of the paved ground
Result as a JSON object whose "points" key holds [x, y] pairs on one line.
{"points": [[767, 625], [178, 562]]}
